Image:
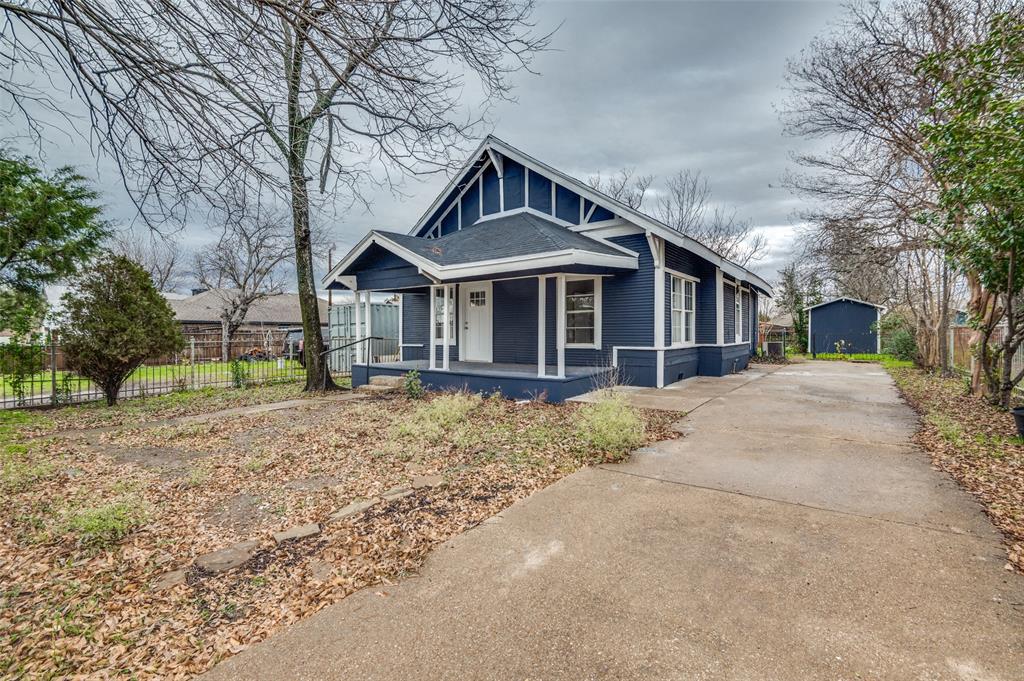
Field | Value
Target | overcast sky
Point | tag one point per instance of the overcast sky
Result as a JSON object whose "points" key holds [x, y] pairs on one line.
{"points": [[656, 86]]}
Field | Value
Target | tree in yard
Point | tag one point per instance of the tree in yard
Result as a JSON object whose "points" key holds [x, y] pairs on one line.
{"points": [[790, 299], [687, 207], [49, 226], [244, 267], [114, 319], [159, 255], [858, 87], [278, 95], [978, 143], [625, 186]]}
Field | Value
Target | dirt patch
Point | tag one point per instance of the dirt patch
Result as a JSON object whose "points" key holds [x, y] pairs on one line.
{"points": [[168, 462], [89, 609], [240, 513]]}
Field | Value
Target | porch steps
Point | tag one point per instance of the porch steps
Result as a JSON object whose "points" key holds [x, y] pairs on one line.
{"points": [[382, 384]]}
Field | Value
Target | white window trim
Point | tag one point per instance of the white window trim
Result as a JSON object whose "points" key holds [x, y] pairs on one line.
{"points": [[693, 280], [452, 337], [738, 321], [596, 345]]}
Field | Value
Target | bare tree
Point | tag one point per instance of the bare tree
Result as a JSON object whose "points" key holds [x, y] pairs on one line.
{"points": [[244, 267], [278, 94], [160, 255], [625, 186], [686, 207], [859, 87]]}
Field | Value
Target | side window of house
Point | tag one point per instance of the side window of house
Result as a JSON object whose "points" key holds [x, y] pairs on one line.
{"points": [[579, 312], [739, 316], [683, 310], [439, 315]]}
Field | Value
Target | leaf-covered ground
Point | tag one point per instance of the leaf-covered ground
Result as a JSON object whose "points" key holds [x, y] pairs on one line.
{"points": [[89, 526], [973, 442]]}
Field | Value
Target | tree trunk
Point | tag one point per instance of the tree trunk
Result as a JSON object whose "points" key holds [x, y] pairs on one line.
{"points": [[317, 377], [1009, 347], [943, 334], [225, 340]]}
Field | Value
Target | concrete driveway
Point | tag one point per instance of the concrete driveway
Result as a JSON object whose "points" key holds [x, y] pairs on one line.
{"points": [[794, 533]]}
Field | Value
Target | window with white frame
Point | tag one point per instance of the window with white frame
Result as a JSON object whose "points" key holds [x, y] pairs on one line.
{"points": [[683, 310], [581, 313], [739, 316], [439, 315]]}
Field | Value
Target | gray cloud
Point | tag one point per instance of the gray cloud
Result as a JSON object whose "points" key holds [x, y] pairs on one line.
{"points": [[658, 86]]}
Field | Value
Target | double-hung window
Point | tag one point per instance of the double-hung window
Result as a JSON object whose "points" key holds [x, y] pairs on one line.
{"points": [[582, 312], [438, 307], [739, 315], [684, 298]]}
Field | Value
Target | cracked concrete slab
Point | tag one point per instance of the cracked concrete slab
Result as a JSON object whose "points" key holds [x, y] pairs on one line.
{"points": [[828, 550]]}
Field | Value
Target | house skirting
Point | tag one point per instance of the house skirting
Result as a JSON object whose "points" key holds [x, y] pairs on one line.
{"points": [[513, 385], [639, 366]]}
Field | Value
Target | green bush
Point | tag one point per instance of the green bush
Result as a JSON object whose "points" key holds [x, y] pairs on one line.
{"points": [[432, 420], [239, 374], [902, 345], [610, 426], [104, 525], [413, 386]]}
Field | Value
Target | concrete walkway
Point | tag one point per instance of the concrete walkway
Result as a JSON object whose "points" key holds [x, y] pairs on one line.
{"points": [[794, 533]]}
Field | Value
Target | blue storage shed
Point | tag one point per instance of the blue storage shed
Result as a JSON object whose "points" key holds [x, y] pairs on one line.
{"points": [[844, 325]]}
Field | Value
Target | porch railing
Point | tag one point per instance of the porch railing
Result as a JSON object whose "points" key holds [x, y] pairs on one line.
{"points": [[368, 350]]}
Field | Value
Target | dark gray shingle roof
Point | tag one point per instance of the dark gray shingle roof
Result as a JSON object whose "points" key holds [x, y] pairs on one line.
{"points": [[511, 236]]}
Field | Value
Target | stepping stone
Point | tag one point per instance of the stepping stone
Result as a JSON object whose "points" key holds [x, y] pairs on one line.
{"points": [[227, 558], [169, 579], [396, 493], [297, 532], [352, 509], [421, 481]]}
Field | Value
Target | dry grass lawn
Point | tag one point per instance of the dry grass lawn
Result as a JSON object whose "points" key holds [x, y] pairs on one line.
{"points": [[91, 525]]}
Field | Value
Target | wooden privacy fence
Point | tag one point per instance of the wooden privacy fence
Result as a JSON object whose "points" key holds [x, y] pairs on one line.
{"points": [[962, 357]]}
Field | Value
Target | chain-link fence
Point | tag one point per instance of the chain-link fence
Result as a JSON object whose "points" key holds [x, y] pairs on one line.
{"points": [[39, 374]]}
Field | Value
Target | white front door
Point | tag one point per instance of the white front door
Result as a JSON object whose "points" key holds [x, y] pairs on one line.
{"points": [[476, 321]]}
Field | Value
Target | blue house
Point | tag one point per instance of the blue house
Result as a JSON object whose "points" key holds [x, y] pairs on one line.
{"points": [[844, 325], [523, 279]]}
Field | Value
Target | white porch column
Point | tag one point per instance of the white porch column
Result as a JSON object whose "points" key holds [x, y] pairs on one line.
{"points": [[445, 333], [657, 245], [357, 305], [720, 305], [560, 323], [369, 325], [431, 317], [542, 289]]}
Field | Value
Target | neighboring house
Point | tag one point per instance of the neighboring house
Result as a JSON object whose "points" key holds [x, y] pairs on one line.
{"points": [[844, 322], [201, 313], [521, 278]]}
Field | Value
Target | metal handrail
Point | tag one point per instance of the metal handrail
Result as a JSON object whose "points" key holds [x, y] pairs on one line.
{"points": [[328, 351]]}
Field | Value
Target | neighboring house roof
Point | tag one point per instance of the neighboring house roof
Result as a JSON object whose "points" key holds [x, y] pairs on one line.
{"points": [[846, 299], [784, 320], [205, 307], [507, 236], [493, 145]]}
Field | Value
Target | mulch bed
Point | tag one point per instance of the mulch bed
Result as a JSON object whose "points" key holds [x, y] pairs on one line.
{"points": [[976, 444], [72, 609]]}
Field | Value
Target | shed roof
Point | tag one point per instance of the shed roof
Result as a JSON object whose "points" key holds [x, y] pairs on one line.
{"points": [[846, 299]]}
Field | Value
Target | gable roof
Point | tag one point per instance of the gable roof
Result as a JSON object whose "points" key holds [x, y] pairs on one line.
{"points": [[205, 307], [508, 243], [507, 236], [492, 144], [848, 300]]}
